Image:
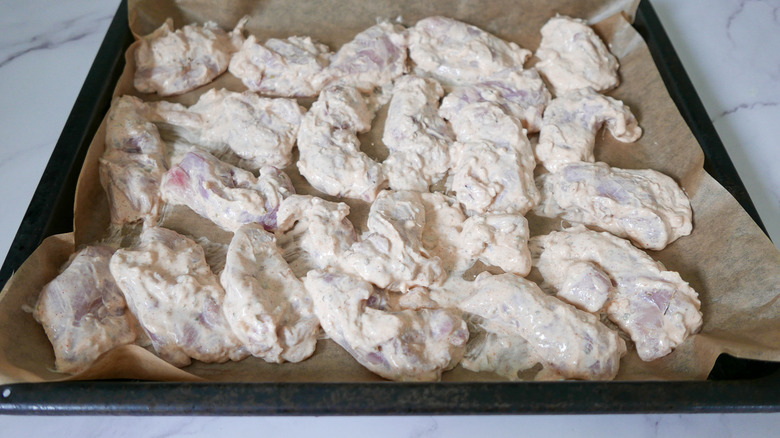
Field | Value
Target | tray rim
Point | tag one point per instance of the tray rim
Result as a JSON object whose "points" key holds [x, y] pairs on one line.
{"points": [[218, 398]]}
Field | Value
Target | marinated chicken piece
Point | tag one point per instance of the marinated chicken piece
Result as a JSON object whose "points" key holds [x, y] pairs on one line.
{"points": [[586, 287], [492, 162], [645, 206], [260, 130], [497, 240], [133, 164], [456, 53], [83, 311], [411, 345], [573, 343], [654, 306], [417, 137], [173, 62], [176, 298], [390, 254], [572, 56], [519, 93], [314, 233], [265, 304], [503, 354], [374, 58], [330, 156], [441, 235], [290, 67], [227, 195], [571, 122]]}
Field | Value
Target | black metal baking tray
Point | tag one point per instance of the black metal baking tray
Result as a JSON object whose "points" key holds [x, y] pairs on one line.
{"points": [[734, 385]]}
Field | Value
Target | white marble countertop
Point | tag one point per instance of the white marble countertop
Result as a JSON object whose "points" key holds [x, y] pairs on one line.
{"points": [[730, 49]]}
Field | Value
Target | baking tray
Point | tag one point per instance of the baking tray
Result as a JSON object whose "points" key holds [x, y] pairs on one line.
{"points": [[734, 385]]}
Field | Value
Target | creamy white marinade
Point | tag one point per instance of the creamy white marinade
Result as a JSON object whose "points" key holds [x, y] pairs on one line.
{"points": [[265, 304], [313, 233], [454, 52], [492, 162], [571, 122], [281, 67], [417, 137], [497, 240], [519, 93], [573, 343], [83, 311], [227, 195], [330, 155], [416, 345], [260, 130], [390, 253], [133, 164], [373, 59], [172, 62], [572, 56], [178, 301], [645, 206], [599, 271]]}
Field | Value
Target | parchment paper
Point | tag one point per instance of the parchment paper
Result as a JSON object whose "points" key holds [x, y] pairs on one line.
{"points": [[727, 259]]}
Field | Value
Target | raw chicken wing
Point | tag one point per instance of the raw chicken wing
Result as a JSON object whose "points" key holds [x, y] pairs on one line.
{"points": [[265, 304], [645, 206], [176, 298], [654, 306], [456, 53], [83, 311], [417, 137], [330, 156], [290, 67], [227, 195], [572, 56], [260, 130], [411, 345], [173, 62], [571, 122], [573, 343], [133, 164]]}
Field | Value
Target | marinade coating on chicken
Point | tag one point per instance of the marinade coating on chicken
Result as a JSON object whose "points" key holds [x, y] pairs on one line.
{"points": [[373, 59], [417, 137], [519, 93], [133, 164], [178, 301], [500, 353], [313, 233], [441, 235], [573, 343], [260, 130], [330, 156], [227, 195], [83, 311], [572, 56], [654, 306], [172, 62], [492, 162], [390, 254], [281, 67], [571, 122], [497, 240], [645, 206], [265, 304], [409, 345], [456, 53]]}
